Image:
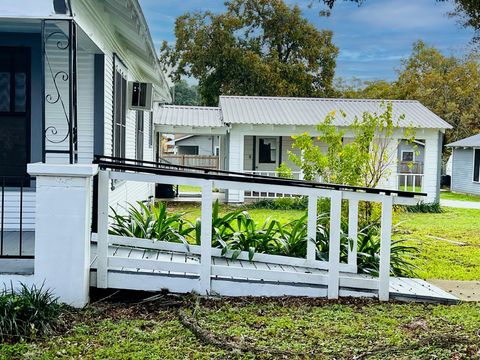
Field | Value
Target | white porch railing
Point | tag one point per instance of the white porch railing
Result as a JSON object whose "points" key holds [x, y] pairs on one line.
{"points": [[206, 272], [410, 182], [255, 194]]}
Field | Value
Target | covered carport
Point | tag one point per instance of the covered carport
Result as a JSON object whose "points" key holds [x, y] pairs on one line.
{"points": [[195, 122]]}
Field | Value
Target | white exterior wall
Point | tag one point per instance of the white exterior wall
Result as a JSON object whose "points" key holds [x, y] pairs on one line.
{"points": [[432, 168], [235, 162], [206, 143], [462, 172]]}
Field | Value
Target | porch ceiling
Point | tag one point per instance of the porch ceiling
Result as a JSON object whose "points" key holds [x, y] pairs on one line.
{"points": [[131, 30]]}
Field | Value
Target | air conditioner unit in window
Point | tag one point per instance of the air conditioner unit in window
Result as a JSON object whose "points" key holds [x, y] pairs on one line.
{"points": [[140, 96]]}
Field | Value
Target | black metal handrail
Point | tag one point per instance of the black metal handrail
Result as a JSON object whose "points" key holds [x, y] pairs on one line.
{"points": [[125, 164]]}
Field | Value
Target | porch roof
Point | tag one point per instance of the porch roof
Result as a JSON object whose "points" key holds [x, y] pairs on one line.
{"points": [[194, 116], [311, 111]]}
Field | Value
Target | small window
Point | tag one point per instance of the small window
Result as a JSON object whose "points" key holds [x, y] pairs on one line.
{"points": [[119, 114], [150, 130], [140, 135], [267, 150], [187, 150], [476, 165], [408, 156], [217, 151]]}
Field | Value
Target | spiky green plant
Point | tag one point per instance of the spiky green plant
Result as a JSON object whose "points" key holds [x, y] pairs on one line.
{"points": [[30, 312], [151, 222], [252, 237]]}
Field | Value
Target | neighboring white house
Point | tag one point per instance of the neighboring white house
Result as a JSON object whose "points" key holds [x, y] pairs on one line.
{"points": [[257, 134], [66, 93], [203, 145], [465, 165]]}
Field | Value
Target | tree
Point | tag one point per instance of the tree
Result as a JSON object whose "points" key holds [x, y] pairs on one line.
{"points": [[364, 161], [358, 89], [256, 47], [447, 85], [184, 94]]}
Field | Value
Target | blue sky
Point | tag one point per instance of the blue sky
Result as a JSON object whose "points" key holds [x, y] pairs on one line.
{"points": [[372, 38]]}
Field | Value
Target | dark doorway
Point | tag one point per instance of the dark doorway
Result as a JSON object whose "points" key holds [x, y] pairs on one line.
{"points": [[14, 114]]}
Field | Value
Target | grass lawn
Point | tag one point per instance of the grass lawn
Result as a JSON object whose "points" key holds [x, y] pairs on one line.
{"points": [[265, 329], [448, 195], [189, 189], [193, 212], [449, 243]]}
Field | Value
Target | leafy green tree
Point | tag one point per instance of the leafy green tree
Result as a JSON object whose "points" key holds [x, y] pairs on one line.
{"points": [[184, 94], [358, 89], [364, 161], [256, 47], [447, 85]]}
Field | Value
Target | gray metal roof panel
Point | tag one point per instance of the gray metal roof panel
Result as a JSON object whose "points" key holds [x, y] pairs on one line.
{"points": [[472, 141], [311, 111], [194, 116]]}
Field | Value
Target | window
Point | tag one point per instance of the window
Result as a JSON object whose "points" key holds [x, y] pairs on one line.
{"points": [[476, 165], [150, 130], [408, 156], [217, 151], [187, 150], [139, 135], [267, 150], [119, 114]]}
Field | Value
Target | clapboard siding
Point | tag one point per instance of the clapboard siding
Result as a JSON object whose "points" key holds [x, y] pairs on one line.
{"points": [[85, 106], [462, 172]]}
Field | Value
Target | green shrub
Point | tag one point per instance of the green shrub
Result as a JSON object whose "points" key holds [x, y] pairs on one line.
{"points": [[285, 203], [27, 313], [151, 222], [432, 208], [236, 231], [283, 171]]}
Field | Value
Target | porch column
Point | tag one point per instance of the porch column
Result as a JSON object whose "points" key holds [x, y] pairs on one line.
{"points": [[62, 230], [432, 168], [235, 163]]}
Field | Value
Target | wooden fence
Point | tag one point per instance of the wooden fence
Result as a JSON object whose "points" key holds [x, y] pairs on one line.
{"points": [[203, 161]]}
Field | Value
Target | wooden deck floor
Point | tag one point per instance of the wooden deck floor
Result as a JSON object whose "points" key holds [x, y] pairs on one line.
{"points": [[403, 289]]}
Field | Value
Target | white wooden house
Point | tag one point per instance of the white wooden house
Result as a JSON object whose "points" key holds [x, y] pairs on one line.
{"points": [[67, 93], [465, 165], [256, 135]]}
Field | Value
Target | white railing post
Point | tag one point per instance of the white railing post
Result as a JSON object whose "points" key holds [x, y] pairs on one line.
{"points": [[353, 232], [312, 227], [385, 245], [206, 238], [334, 248], [102, 229]]}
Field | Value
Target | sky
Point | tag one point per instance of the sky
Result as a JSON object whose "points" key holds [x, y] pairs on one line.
{"points": [[372, 39]]}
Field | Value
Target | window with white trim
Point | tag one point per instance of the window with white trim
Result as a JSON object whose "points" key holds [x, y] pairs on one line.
{"points": [[139, 135], [408, 156], [476, 165], [150, 130], [119, 113]]}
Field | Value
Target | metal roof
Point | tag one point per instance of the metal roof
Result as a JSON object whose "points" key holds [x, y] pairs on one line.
{"points": [[195, 116], [471, 141], [311, 111]]}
